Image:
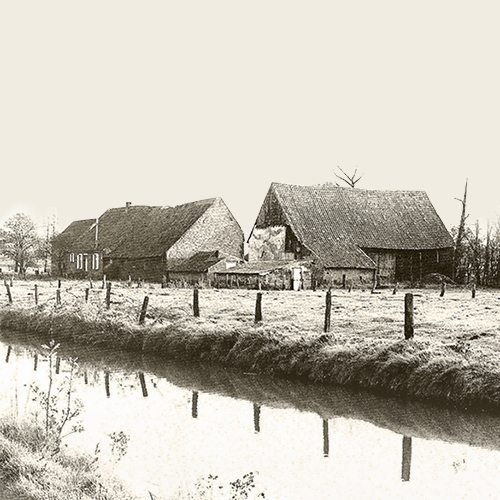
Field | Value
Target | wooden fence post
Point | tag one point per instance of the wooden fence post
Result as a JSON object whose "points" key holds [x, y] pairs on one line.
{"points": [[108, 294], [9, 295], [35, 362], [36, 294], [258, 307], [395, 289], [58, 283], [58, 296], [408, 316], [142, 317], [328, 310], [196, 303], [443, 289], [58, 365], [473, 290], [143, 385], [87, 290]]}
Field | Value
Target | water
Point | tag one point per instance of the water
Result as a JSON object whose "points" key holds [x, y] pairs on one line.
{"points": [[187, 422]]}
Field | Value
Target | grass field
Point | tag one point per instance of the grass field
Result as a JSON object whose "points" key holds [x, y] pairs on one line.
{"points": [[453, 357]]}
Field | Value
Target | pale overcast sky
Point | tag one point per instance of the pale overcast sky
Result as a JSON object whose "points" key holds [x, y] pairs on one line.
{"points": [[162, 103]]}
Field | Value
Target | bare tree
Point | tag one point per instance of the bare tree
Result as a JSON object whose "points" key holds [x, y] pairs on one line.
{"points": [[459, 242], [20, 241], [350, 180]]}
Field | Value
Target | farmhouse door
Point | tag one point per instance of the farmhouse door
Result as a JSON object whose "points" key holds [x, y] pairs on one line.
{"points": [[297, 278]]}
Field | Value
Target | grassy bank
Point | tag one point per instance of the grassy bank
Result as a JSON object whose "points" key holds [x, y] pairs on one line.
{"points": [[453, 358], [29, 470]]}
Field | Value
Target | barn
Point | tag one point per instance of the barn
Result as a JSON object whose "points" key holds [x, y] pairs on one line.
{"points": [[145, 242], [352, 235]]}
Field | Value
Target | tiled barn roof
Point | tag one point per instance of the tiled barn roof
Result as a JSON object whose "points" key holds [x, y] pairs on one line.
{"points": [[135, 231], [336, 223]]}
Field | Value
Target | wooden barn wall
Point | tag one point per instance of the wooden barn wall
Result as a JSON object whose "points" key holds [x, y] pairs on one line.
{"points": [[147, 269], [415, 265], [337, 277]]}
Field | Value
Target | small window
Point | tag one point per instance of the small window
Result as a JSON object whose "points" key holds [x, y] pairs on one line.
{"points": [[79, 261], [72, 257], [95, 261]]}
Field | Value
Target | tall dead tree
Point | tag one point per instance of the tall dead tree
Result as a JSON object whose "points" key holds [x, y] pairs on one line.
{"points": [[459, 243], [350, 180]]}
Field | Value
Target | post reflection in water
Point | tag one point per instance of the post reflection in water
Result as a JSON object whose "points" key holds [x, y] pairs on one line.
{"points": [[406, 462], [8, 354], [143, 384], [256, 417], [106, 383], [194, 406], [326, 439]]}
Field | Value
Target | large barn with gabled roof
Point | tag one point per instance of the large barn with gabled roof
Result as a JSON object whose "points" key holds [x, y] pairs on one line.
{"points": [[146, 242], [351, 234]]}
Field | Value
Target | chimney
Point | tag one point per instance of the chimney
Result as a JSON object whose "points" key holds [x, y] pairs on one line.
{"points": [[128, 204]]}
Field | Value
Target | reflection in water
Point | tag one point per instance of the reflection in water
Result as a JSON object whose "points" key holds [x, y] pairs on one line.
{"points": [[256, 417], [326, 440], [194, 405], [406, 462], [106, 383], [143, 385], [366, 430]]}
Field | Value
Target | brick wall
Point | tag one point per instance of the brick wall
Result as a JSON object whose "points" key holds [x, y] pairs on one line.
{"points": [[216, 229]]}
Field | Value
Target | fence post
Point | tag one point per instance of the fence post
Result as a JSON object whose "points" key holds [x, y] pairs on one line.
{"points": [[86, 294], [58, 296], [258, 307], [196, 303], [194, 405], [473, 290], [443, 289], [36, 294], [58, 365], [108, 294], [328, 310], [408, 316], [9, 350], [142, 317], [35, 362], [9, 295], [395, 289], [58, 283]]}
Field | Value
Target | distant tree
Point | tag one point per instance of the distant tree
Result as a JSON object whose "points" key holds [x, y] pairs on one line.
{"points": [[458, 254], [350, 180], [20, 241]]}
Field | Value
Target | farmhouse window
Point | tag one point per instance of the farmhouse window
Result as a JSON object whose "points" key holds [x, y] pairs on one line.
{"points": [[86, 261], [72, 257], [95, 261], [79, 261]]}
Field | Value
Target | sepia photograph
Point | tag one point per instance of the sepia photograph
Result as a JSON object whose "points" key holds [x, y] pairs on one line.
{"points": [[249, 250]]}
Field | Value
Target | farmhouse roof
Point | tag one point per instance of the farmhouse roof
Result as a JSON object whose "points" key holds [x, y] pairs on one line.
{"points": [[338, 223], [135, 231]]}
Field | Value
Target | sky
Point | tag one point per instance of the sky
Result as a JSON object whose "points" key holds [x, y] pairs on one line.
{"points": [[162, 103]]}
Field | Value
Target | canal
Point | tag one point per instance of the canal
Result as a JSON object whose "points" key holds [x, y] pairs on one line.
{"points": [[164, 427]]}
